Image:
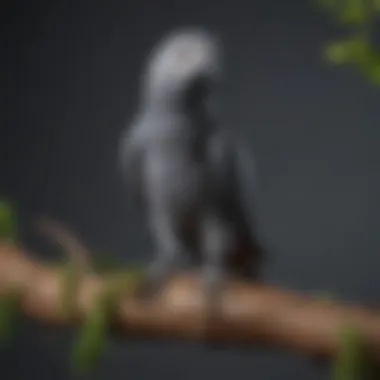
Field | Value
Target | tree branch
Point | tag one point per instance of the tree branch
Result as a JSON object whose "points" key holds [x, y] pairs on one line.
{"points": [[252, 313]]}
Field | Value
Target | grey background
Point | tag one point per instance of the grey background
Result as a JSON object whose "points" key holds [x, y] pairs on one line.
{"points": [[69, 72]]}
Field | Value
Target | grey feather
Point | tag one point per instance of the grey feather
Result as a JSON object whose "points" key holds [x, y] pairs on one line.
{"points": [[186, 170]]}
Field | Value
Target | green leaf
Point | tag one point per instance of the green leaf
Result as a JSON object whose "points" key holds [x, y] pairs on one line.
{"points": [[337, 53], [352, 50], [354, 12], [70, 278], [372, 70], [93, 336], [374, 73], [105, 262], [330, 5], [91, 341], [126, 278], [9, 313], [7, 221], [358, 53], [356, 50], [351, 362]]}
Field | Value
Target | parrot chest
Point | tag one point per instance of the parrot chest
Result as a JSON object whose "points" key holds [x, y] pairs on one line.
{"points": [[176, 174]]}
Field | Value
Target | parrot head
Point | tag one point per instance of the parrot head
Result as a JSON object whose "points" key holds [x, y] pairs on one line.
{"points": [[183, 66]]}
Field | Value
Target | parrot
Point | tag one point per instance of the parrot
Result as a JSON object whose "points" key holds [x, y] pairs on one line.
{"points": [[186, 171]]}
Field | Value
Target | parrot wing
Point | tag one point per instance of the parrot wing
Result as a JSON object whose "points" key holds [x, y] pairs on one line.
{"points": [[234, 168]]}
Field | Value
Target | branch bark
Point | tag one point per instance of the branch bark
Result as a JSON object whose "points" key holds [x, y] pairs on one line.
{"points": [[251, 312]]}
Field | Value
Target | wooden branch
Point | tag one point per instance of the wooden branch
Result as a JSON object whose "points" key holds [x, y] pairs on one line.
{"points": [[252, 313], [74, 248]]}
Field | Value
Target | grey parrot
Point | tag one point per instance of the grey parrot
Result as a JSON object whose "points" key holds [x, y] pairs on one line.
{"points": [[187, 172]]}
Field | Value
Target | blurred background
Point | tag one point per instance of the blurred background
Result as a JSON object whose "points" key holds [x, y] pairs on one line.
{"points": [[69, 85]]}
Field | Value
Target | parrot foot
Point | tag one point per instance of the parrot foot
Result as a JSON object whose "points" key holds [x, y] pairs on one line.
{"points": [[157, 275]]}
